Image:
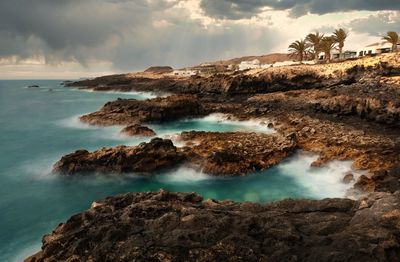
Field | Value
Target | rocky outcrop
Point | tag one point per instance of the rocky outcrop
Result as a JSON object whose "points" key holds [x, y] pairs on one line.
{"points": [[236, 153], [157, 155], [166, 226], [132, 111], [214, 153], [137, 130]]}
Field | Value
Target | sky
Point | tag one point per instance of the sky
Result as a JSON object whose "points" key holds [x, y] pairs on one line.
{"points": [[70, 39]]}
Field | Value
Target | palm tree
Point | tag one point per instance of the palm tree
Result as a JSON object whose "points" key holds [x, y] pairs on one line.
{"points": [[327, 44], [314, 40], [393, 38], [340, 36], [298, 49]]}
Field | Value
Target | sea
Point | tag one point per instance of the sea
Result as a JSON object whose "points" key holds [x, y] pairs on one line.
{"points": [[38, 125]]}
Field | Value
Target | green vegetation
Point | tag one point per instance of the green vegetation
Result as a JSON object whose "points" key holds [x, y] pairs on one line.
{"points": [[339, 36], [314, 40], [393, 38], [315, 43], [299, 49]]}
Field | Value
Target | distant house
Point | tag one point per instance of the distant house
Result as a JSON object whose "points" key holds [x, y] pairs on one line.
{"points": [[336, 55], [184, 72], [346, 54], [375, 49], [250, 64]]}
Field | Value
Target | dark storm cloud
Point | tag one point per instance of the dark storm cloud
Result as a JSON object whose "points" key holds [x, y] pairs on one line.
{"points": [[237, 9], [68, 28], [129, 34]]}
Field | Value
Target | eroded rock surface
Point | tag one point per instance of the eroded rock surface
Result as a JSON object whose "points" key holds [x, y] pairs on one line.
{"points": [[166, 226], [236, 153], [219, 154], [132, 111], [157, 155]]}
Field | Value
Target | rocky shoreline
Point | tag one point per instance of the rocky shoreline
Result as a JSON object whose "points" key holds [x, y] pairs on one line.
{"points": [[341, 111], [164, 226]]}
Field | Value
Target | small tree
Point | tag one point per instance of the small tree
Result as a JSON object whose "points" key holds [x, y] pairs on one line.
{"points": [[393, 38], [340, 35], [298, 49]]}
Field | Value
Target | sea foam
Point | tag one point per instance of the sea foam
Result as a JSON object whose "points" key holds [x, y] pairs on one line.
{"points": [[255, 125], [320, 182]]}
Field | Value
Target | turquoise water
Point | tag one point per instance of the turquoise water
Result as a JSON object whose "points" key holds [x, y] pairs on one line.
{"points": [[39, 125]]}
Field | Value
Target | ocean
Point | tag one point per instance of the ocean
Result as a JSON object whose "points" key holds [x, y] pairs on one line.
{"points": [[39, 125]]}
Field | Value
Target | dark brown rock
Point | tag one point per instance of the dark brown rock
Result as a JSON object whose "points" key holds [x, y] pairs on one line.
{"points": [[157, 155], [236, 153], [131, 111], [167, 226], [349, 177], [137, 130]]}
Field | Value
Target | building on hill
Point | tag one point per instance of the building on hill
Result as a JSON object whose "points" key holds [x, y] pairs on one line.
{"points": [[250, 64], [335, 55], [375, 49], [184, 72]]}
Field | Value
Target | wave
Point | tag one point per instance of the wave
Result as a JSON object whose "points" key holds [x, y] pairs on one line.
{"points": [[183, 175], [135, 94], [258, 125], [320, 182], [75, 122]]}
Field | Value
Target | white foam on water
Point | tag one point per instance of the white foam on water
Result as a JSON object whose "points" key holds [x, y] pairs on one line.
{"points": [[26, 252], [38, 166], [75, 122], [183, 175], [321, 182], [144, 95], [255, 125], [102, 132]]}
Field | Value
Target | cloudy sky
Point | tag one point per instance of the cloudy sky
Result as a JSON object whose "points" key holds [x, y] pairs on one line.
{"points": [[74, 38]]}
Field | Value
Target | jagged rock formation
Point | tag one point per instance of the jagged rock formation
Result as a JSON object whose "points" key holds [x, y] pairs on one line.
{"points": [[236, 153], [157, 155], [166, 226], [214, 153], [132, 111]]}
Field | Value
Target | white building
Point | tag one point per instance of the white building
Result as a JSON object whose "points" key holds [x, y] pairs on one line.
{"points": [[335, 54], [375, 49], [250, 64], [184, 72]]}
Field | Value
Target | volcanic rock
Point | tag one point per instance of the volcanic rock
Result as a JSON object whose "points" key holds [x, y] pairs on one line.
{"points": [[236, 153], [166, 226], [132, 111], [157, 155]]}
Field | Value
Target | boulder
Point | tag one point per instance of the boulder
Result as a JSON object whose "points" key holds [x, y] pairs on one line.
{"points": [[137, 130]]}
